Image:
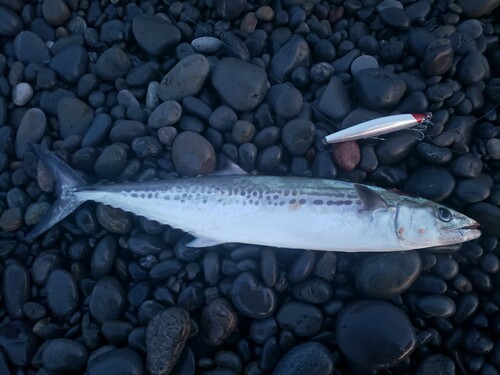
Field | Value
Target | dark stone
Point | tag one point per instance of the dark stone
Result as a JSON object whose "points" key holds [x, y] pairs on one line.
{"points": [[184, 79], [192, 154], [479, 8], [262, 330], [429, 284], [391, 339], [269, 267], [112, 64], [297, 136], [166, 337], [31, 130], [116, 362], [269, 159], [64, 355], [431, 182], [55, 12], [307, 358], [230, 9], [30, 48], [312, 290], [125, 131], [335, 102], [240, 84], [70, 64], [293, 54], [385, 276], [436, 364], [487, 215], [302, 319], [396, 147], [15, 289], [395, 18], [62, 293], [285, 100], [378, 88], [472, 191], [154, 34], [434, 154], [302, 266], [437, 306], [473, 68], [111, 161], [438, 58], [103, 257], [18, 342], [10, 23], [251, 298], [164, 269], [74, 117], [219, 320], [107, 300]]}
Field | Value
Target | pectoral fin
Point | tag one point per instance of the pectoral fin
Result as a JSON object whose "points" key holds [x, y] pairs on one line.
{"points": [[370, 199], [203, 242]]}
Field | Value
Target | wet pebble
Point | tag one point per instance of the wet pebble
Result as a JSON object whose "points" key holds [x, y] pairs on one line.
{"points": [[218, 321], [185, 78], [251, 298], [229, 10], [471, 191], [290, 56], [304, 320], [434, 154], [206, 44], [363, 62], [164, 269], [166, 336], [437, 306], [384, 276], [269, 267], [312, 290], [103, 257], [30, 48], [62, 292], [432, 182], [437, 363], [115, 362], [395, 18], [378, 88], [487, 215], [396, 147], [476, 342], [262, 330], [392, 339], [10, 23], [18, 342], [107, 300], [64, 355], [438, 57], [240, 84], [70, 63], [192, 154], [429, 284], [113, 219], [309, 357]]}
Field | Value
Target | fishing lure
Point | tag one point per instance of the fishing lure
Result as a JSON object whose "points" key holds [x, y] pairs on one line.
{"points": [[379, 126]]}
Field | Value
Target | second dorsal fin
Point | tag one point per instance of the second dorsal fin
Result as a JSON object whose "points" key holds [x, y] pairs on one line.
{"points": [[227, 167], [369, 198]]}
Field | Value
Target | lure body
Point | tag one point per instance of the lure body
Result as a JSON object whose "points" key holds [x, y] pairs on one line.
{"points": [[289, 212], [377, 127]]}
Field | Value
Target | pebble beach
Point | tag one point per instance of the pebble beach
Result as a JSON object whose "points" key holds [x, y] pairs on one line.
{"points": [[128, 91]]}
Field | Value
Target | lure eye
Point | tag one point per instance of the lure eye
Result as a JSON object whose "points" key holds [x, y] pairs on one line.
{"points": [[444, 214]]}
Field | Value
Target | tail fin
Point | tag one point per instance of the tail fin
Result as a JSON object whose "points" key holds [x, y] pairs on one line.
{"points": [[65, 178]]}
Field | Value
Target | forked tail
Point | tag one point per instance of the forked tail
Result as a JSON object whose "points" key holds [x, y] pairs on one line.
{"points": [[66, 202]]}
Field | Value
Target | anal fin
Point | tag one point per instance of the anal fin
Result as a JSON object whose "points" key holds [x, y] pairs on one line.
{"points": [[203, 242]]}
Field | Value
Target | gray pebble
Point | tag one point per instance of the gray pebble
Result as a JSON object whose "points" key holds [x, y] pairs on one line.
{"points": [[74, 117], [363, 62], [206, 44], [22, 94], [307, 358], [107, 300], [62, 292], [166, 336], [166, 114], [31, 130], [192, 154]]}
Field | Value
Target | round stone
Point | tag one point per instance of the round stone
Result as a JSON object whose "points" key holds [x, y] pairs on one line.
{"points": [[297, 136], [107, 300], [431, 182], [385, 276], [112, 64], [64, 355], [374, 346], [192, 154], [378, 88], [31, 130], [115, 362], [437, 306], [303, 319], [363, 62], [22, 94], [154, 34]]}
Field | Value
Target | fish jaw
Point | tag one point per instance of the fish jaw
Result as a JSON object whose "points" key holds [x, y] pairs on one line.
{"points": [[467, 232]]}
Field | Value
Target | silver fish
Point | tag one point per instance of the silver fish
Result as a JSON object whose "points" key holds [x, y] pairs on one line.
{"points": [[290, 212], [377, 127]]}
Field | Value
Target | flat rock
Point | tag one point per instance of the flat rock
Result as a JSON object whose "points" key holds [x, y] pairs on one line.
{"points": [[154, 34], [107, 300], [116, 362], [62, 293], [385, 276], [166, 336], [219, 320], [240, 84], [18, 342], [192, 154], [64, 355], [374, 346], [431, 182], [184, 79], [10, 23], [378, 88]]}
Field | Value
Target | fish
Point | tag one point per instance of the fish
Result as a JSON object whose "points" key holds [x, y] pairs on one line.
{"points": [[279, 211], [377, 127]]}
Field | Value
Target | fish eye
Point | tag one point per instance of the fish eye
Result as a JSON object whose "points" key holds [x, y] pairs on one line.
{"points": [[444, 214]]}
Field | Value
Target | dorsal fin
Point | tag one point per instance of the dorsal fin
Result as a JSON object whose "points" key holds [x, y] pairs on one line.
{"points": [[227, 167], [370, 199]]}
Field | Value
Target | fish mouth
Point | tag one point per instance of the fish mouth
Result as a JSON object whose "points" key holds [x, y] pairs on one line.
{"points": [[468, 232]]}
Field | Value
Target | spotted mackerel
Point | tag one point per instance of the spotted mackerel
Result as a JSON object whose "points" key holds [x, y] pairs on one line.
{"points": [[289, 212]]}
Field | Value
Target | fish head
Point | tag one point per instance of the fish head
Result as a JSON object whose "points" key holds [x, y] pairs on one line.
{"points": [[423, 223]]}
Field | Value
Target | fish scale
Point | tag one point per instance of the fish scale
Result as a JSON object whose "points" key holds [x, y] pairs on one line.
{"points": [[289, 212]]}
